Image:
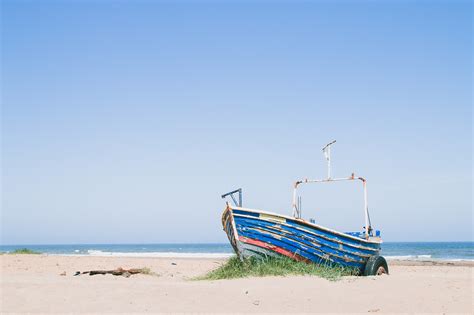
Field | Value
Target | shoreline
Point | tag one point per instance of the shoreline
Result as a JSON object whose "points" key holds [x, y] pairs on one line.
{"points": [[448, 263], [171, 255]]}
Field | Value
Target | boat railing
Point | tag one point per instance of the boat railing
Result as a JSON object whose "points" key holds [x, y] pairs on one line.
{"points": [[296, 205], [238, 202]]}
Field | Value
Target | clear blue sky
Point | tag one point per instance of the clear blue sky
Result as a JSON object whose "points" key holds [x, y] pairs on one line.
{"points": [[124, 121]]}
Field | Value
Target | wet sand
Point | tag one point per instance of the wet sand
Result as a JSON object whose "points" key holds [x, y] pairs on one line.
{"points": [[32, 283]]}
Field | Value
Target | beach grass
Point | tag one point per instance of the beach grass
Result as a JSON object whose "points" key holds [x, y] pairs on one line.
{"points": [[148, 271], [25, 251], [274, 266]]}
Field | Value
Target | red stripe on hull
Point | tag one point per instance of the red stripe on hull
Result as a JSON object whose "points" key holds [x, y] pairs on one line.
{"points": [[274, 248]]}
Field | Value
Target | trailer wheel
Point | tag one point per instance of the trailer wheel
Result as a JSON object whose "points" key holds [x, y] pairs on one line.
{"points": [[376, 266]]}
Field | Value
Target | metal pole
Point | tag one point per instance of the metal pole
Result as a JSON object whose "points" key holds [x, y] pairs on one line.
{"points": [[299, 206], [366, 210], [329, 162], [240, 197], [295, 211], [327, 154]]}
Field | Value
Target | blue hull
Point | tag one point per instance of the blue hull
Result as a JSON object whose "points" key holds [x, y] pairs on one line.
{"points": [[259, 233]]}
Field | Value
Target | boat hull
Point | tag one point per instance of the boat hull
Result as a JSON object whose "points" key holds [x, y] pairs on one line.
{"points": [[260, 233]]}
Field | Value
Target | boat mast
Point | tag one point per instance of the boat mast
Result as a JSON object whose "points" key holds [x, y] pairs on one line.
{"points": [[327, 154]]}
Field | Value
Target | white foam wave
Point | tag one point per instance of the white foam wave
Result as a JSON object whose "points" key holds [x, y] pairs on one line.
{"points": [[425, 258], [408, 257], [99, 253]]}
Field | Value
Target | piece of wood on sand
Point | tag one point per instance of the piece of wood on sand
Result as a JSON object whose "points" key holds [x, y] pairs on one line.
{"points": [[117, 272]]}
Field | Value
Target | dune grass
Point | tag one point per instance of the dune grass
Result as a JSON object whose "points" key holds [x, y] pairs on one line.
{"points": [[24, 251], [274, 266]]}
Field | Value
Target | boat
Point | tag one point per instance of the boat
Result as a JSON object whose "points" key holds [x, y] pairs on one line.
{"points": [[259, 233]]}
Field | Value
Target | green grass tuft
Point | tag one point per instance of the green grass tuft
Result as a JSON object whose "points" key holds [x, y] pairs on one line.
{"points": [[25, 251], [274, 266]]}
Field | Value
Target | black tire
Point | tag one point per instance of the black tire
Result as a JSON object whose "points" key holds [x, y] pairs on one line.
{"points": [[376, 266]]}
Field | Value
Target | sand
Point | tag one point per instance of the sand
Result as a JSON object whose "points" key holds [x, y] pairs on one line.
{"points": [[32, 283]]}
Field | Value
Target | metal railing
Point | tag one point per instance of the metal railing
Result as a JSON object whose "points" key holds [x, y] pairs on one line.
{"points": [[231, 194], [297, 199]]}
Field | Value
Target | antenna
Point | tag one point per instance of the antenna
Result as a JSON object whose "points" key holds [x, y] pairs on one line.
{"points": [[327, 154]]}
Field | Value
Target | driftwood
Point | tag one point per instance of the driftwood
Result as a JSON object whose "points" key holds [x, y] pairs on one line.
{"points": [[117, 272]]}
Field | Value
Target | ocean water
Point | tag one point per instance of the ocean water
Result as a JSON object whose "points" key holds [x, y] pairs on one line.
{"points": [[131, 250], [450, 251]]}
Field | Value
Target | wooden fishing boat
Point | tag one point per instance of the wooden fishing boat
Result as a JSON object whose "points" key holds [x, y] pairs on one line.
{"points": [[260, 233]]}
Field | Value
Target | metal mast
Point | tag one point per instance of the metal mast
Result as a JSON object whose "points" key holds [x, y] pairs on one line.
{"points": [[327, 154]]}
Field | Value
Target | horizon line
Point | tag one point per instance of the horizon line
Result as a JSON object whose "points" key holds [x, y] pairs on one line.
{"points": [[199, 243]]}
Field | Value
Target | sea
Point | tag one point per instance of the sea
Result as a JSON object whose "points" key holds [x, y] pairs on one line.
{"points": [[434, 251]]}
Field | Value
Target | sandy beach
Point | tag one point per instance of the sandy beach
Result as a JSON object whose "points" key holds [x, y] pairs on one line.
{"points": [[34, 284]]}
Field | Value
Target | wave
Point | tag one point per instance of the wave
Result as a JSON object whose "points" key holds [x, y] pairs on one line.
{"points": [[424, 258], [99, 253], [408, 257]]}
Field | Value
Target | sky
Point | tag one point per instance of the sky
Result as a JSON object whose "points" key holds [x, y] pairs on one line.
{"points": [[124, 121]]}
